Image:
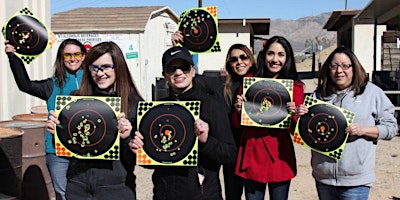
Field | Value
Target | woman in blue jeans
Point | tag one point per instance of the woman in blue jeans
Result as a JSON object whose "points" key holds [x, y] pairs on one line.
{"points": [[67, 77]]}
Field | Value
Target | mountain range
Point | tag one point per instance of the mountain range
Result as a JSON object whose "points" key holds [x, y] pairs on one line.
{"points": [[305, 34]]}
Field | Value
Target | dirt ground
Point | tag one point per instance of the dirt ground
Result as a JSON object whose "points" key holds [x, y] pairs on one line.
{"points": [[386, 187]]}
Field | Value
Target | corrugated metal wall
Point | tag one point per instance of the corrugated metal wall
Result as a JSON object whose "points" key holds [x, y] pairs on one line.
{"points": [[12, 100]]}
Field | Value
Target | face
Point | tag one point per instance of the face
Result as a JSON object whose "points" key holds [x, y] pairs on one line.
{"points": [[275, 59], [103, 73], [341, 71], [240, 62], [178, 77], [73, 57]]}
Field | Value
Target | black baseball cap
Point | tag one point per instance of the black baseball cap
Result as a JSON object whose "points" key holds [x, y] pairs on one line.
{"points": [[176, 53]]}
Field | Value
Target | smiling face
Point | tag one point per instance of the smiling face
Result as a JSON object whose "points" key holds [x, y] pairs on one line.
{"points": [[275, 59], [340, 76], [73, 63], [104, 79], [240, 62], [179, 80]]}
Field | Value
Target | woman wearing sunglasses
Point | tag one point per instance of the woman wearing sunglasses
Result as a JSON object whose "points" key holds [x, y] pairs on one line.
{"points": [[106, 73], [266, 155], [216, 145], [239, 63], [67, 77]]}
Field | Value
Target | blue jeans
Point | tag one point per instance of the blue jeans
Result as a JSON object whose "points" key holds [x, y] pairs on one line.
{"points": [[58, 167], [256, 191], [329, 192]]}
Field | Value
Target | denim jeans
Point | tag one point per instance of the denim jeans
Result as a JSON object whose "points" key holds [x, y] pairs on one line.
{"points": [[256, 191], [329, 192], [58, 167]]}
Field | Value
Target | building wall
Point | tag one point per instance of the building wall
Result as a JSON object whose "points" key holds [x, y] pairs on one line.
{"points": [[14, 101], [156, 39], [363, 45], [229, 34]]}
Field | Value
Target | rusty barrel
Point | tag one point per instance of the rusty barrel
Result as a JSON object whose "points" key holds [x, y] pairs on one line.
{"points": [[36, 180], [42, 109], [10, 162]]}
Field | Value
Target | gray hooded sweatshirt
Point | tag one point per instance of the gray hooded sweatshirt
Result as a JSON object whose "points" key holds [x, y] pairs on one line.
{"points": [[356, 167]]}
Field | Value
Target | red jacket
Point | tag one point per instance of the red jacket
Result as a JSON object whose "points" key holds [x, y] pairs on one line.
{"points": [[267, 154]]}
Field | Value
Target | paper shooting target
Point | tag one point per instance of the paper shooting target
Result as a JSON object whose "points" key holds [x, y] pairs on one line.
{"points": [[266, 102], [88, 127], [28, 35], [168, 131], [199, 27], [323, 128]]}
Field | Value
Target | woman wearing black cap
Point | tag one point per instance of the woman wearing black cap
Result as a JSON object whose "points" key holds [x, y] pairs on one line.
{"points": [[216, 144]]}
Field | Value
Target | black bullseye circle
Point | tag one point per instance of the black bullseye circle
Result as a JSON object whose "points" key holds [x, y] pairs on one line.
{"points": [[323, 128], [88, 127], [27, 34], [199, 30], [168, 132], [266, 102]]}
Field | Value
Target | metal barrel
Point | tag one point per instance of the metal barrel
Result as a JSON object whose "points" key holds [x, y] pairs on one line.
{"points": [[10, 162], [36, 181]]}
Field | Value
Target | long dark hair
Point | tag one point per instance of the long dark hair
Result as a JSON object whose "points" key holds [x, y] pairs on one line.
{"points": [[60, 71], [288, 70], [327, 87], [125, 87], [231, 75]]}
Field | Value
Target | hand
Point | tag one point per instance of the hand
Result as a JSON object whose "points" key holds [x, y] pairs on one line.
{"points": [[301, 110], [238, 103], [136, 142], [201, 130], [176, 38], [124, 126], [9, 48], [52, 122], [355, 129], [291, 107]]}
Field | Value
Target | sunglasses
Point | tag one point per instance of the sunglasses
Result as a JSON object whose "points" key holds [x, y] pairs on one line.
{"points": [[235, 59], [172, 68], [76, 55], [104, 68]]}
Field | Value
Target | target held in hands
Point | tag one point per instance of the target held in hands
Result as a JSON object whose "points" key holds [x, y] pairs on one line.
{"points": [[266, 102], [168, 131], [200, 30], [323, 128], [88, 127]]}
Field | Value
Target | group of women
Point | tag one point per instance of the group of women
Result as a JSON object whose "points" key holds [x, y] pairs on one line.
{"points": [[266, 156]]}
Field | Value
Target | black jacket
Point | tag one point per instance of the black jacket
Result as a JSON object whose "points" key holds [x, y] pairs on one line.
{"points": [[182, 182]]}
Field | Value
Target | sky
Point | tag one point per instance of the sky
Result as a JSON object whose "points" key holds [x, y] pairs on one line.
{"points": [[273, 9]]}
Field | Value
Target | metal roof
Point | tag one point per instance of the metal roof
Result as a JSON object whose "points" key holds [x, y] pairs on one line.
{"points": [[339, 18], [107, 18], [260, 25]]}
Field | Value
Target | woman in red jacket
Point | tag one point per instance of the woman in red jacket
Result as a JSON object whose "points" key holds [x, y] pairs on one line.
{"points": [[266, 155]]}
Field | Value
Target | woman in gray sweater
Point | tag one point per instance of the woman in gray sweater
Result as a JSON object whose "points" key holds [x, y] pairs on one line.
{"points": [[343, 82]]}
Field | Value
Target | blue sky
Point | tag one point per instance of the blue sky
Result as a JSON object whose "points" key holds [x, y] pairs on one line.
{"points": [[273, 9]]}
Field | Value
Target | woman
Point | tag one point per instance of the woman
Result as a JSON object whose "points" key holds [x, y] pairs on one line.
{"points": [[266, 155], [66, 78], [216, 145], [239, 63], [106, 74], [343, 82]]}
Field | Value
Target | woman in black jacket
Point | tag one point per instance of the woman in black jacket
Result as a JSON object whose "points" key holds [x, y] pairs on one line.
{"points": [[216, 144], [106, 74]]}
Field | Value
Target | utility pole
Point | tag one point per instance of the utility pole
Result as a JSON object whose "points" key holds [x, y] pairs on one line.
{"points": [[345, 4], [200, 3]]}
